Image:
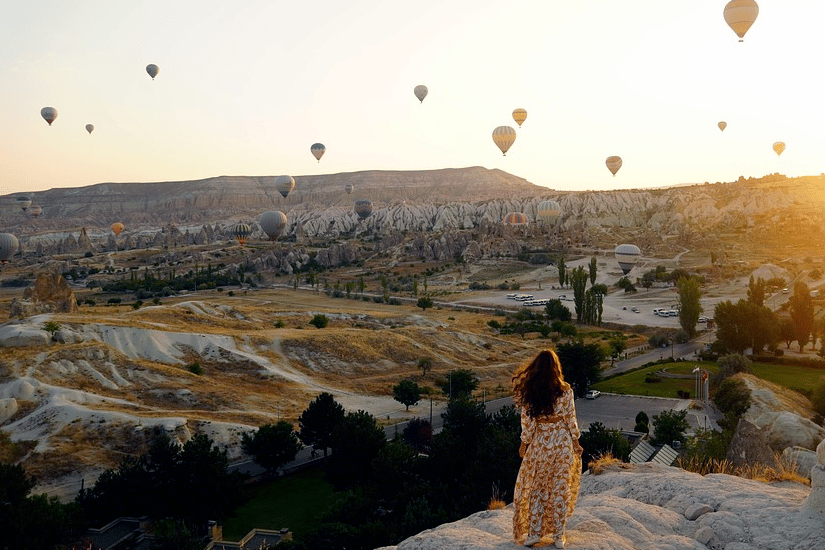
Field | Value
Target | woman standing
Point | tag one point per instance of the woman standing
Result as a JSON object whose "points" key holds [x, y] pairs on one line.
{"points": [[548, 480]]}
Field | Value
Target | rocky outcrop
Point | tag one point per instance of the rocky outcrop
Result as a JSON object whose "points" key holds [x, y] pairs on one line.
{"points": [[50, 293], [749, 446], [653, 507], [814, 506]]}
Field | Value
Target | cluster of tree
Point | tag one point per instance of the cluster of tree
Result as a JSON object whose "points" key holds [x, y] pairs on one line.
{"points": [[394, 489], [750, 324], [526, 321], [157, 283], [661, 274]]}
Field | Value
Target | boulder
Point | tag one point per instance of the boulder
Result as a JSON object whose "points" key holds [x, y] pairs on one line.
{"points": [[800, 457], [8, 408], [814, 506], [18, 336], [749, 446]]}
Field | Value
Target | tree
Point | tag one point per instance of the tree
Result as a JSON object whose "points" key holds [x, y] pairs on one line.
{"points": [[319, 320], [669, 426], [556, 310], [562, 270], [617, 346], [787, 332], [597, 440], [418, 434], [642, 423], [689, 306], [578, 280], [425, 364], [424, 302], [648, 279], [802, 313], [318, 422], [756, 291], [459, 383], [356, 442], [407, 393], [272, 445], [580, 364], [592, 266]]}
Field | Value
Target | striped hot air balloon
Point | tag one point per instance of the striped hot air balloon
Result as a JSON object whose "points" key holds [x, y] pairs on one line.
{"points": [[504, 137], [548, 212], [626, 255], [519, 115], [242, 231], [515, 218], [363, 207], [613, 164], [8, 246], [318, 150]]}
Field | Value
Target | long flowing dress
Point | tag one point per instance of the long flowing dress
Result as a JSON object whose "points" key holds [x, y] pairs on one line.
{"points": [[548, 481]]}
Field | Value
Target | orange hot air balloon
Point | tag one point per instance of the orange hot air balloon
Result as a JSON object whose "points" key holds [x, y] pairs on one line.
{"points": [[613, 164], [722, 125], [740, 15], [117, 228], [515, 218], [778, 147]]}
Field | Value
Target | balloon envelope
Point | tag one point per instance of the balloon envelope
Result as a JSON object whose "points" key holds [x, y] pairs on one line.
{"points": [[285, 184], [504, 136], [626, 255], [740, 15], [117, 228], [90, 128], [273, 223], [420, 92], [242, 232], [153, 70], [722, 125], [519, 115], [35, 211], [49, 114], [515, 218], [548, 211], [363, 207], [8, 246], [23, 202], [348, 188], [613, 164], [318, 150], [779, 146]]}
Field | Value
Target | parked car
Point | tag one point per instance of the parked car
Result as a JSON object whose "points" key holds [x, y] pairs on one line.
{"points": [[634, 309], [592, 394]]}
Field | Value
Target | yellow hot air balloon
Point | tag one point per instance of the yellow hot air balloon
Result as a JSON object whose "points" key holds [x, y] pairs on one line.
{"points": [[519, 115], [548, 211], [49, 114], [420, 92], [740, 15], [779, 146], [117, 228], [613, 164], [722, 125], [318, 150], [153, 70], [90, 128], [504, 136]]}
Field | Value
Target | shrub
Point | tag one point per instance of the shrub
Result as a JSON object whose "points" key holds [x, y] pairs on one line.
{"points": [[113, 301], [319, 320], [137, 304], [195, 368]]}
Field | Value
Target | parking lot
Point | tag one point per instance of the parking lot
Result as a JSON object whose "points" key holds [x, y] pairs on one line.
{"points": [[619, 411]]}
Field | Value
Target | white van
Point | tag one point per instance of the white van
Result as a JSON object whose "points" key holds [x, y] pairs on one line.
{"points": [[511, 296]]}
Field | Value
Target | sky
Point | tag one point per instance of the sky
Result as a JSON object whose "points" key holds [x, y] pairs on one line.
{"points": [[246, 87]]}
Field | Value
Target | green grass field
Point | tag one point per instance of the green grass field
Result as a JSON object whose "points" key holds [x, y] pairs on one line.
{"points": [[793, 377], [293, 502]]}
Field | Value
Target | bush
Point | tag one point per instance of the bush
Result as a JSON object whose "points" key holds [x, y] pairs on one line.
{"points": [[195, 368], [652, 379], [113, 301], [137, 304], [319, 320]]}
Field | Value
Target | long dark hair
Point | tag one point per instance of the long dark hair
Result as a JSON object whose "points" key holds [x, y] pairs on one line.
{"points": [[538, 383]]}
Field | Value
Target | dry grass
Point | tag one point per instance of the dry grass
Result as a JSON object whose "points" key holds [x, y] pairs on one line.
{"points": [[604, 461], [782, 471], [496, 501]]}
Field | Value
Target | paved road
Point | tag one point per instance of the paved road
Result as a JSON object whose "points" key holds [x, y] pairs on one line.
{"points": [[676, 351]]}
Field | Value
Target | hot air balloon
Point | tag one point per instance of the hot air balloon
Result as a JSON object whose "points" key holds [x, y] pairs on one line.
{"points": [[23, 202], [273, 223], [35, 211], [8, 246], [740, 15], [318, 151], [285, 184], [722, 125], [49, 114], [117, 228], [153, 70], [420, 92], [363, 207], [519, 115], [504, 136], [90, 128], [613, 164], [548, 212], [779, 146], [242, 232], [626, 255], [515, 218], [348, 188]]}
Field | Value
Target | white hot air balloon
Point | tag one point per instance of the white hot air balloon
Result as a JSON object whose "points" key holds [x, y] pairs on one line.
{"points": [[504, 137], [90, 128], [318, 150], [49, 114], [273, 223], [421, 92], [284, 184], [153, 70], [627, 255], [23, 202], [8, 246]]}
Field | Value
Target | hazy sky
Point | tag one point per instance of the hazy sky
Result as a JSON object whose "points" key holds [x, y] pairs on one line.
{"points": [[245, 87]]}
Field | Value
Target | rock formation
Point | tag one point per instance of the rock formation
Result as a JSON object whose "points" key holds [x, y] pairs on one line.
{"points": [[653, 507], [50, 293]]}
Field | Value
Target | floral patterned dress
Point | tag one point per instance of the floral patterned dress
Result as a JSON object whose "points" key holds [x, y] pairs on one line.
{"points": [[548, 481]]}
